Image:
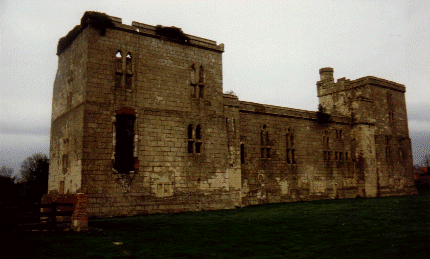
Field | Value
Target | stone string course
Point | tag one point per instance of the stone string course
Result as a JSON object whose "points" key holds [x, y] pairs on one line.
{"points": [[363, 151]]}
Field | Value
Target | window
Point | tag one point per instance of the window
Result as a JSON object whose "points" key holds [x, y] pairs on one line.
{"points": [[242, 154], [193, 80], [291, 152], [201, 82], [265, 142], [195, 141], [124, 147], [123, 70], [190, 139]]}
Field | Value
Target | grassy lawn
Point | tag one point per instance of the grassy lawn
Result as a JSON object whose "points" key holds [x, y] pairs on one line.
{"points": [[393, 227]]}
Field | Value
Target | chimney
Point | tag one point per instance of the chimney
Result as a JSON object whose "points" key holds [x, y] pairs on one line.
{"points": [[326, 74]]}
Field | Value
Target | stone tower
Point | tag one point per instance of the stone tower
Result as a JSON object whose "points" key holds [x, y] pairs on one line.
{"points": [[379, 129]]}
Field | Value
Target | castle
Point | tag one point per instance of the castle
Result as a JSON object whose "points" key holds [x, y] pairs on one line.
{"points": [[140, 124]]}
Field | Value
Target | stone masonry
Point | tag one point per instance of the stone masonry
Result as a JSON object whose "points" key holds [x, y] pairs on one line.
{"points": [[140, 124]]}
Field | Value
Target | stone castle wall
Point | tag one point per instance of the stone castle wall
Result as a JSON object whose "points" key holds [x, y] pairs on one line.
{"points": [[140, 125]]}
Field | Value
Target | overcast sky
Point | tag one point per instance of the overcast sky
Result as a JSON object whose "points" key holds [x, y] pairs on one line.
{"points": [[273, 50]]}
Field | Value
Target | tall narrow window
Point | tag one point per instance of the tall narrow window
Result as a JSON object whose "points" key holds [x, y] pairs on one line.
{"points": [[193, 80], [129, 73], [195, 141], [199, 132], [190, 139], [198, 139], [123, 70], [290, 151], [242, 154], [265, 142], [118, 69], [201, 82], [124, 148]]}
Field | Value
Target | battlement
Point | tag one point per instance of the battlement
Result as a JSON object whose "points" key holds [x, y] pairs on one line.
{"points": [[327, 85], [102, 21]]}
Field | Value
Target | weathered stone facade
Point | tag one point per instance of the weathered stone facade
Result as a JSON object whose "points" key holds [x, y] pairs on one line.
{"points": [[140, 125]]}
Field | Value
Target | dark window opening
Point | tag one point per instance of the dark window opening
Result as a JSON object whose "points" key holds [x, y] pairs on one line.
{"points": [[198, 147], [198, 132], [190, 147], [346, 156], [242, 154], [190, 131], [201, 92], [124, 157], [268, 152], [128, 63]]}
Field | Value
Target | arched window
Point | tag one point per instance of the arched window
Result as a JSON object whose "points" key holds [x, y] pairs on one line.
{"points": [[190, 131], [123, 70], [118, 69]]}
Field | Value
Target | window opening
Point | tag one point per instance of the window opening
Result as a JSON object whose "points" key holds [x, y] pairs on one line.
{"points": [[190, 131], [124, 148], [198, 147], [242, 154], [290, 147], [198, 132], [191, 147]]}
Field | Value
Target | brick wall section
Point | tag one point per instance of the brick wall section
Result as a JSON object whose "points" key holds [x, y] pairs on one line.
{"points": [[174, 89]]}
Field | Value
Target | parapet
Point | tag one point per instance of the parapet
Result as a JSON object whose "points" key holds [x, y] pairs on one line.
{"points": [[102, 21], [327, 85]]}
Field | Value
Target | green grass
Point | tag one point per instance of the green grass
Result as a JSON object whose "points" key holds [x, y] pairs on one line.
{"points": [[393, 227]]}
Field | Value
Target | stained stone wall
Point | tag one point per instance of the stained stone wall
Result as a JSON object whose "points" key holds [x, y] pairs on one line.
{"points": [[140, 125]]}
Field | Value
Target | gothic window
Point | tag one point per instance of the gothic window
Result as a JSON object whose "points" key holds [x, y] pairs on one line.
{"points": [[193, 80], [401, 152], [195, 141], [198, 139], [290, 147], [123, 70], [265, 142], [387, 148], [190, 139], [129, 73], [124, 145], [201, 82], [118, 69], [198, 132], [242, 154]]}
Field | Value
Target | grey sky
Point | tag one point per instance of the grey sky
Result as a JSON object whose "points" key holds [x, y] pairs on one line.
{"points": [[273, 50]]}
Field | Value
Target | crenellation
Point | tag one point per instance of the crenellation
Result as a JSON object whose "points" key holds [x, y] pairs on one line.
{"points": [[152, 96]]}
